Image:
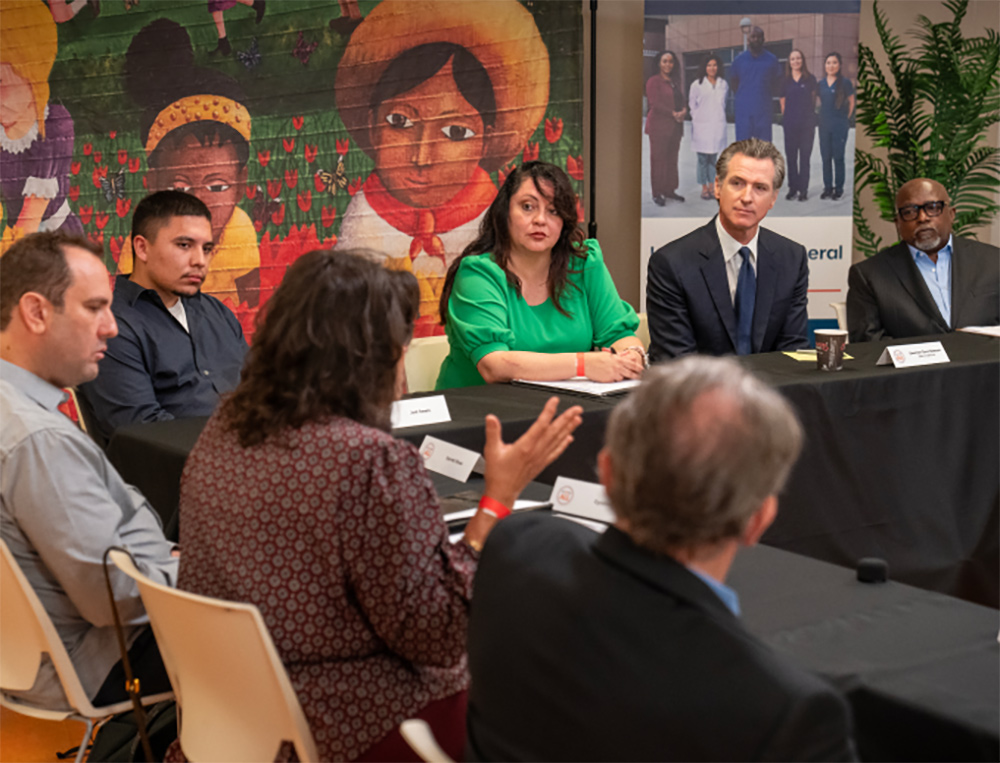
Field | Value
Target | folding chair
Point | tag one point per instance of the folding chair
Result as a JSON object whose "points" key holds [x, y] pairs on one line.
{"points": [[235, 702], [423, 362], [26, 632]]}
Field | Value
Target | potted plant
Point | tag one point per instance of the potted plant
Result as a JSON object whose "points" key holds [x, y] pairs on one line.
{"points": [[929, 120]]}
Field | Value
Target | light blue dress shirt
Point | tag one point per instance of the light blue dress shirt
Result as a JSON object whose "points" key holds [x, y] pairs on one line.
{"points": [[729, 597], [937, 276]]}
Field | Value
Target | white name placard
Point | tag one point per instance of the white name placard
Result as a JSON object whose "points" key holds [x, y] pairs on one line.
{"points": [[910, 355], [420, 411], [581, 499], [450, 460]]}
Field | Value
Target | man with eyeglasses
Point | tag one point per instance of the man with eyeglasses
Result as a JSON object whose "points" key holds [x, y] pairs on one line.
{"points": [[177, 350], [931, 282]]}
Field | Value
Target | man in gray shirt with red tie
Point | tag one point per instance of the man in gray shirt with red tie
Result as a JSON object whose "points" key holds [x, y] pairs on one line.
{"points": [[61, 502]]}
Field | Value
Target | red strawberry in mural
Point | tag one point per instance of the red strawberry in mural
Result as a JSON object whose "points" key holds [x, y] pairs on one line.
{"points": [[354, 187], [305, 201], [122, 156], [113, 134], [343, 146], [278, 217], [122, 206], [310, 153], [97, 157], [88, 148], [274, 188], [74, 193], [328, 216], [133, 165], [264, 157], [85, 214], [298, 121], [531, 152], [101, 219], [291, 178], [289, 144], [74, 167], [251, 190]]}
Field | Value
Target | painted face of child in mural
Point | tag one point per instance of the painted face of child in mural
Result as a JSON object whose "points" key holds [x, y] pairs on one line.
{"points": [[427, 141], [212, 171]]}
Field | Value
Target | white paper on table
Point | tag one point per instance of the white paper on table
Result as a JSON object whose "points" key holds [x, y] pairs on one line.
{"points": [[519, 505], [912, 355], [598, 527], [581, 385], [984, 330], [419, 411]]}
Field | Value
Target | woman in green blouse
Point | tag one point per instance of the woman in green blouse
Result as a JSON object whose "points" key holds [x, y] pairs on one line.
{"points": [[531, 299]]}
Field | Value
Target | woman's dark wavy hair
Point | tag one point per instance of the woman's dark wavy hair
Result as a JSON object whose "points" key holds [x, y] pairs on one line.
{"points": [[494, 231], [327, 345]]}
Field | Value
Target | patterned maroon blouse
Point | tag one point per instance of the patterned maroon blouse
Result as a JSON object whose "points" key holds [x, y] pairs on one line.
{"points": [[334, 532]]}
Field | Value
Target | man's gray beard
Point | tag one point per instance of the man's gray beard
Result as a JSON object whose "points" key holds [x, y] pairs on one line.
{"points": [[928, 245]]}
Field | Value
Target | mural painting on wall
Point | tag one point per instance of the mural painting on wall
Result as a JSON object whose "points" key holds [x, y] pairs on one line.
{"points": [[379, 125]]}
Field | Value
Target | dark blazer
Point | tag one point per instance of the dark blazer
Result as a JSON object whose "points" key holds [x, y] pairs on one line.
{"points": [[688, 302], [586, 647], [887, 297]]}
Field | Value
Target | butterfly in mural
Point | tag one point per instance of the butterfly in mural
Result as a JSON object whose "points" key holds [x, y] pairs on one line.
{"points": [[250, 58], [303, 50], [113, 186], [331, 181], [263, 207]]}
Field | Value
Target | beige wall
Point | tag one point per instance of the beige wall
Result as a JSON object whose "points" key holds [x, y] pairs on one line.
{"points": [[619, 109]]}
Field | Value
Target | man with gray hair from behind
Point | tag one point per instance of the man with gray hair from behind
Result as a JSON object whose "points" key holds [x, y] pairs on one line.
{"points": [[627, 645]]}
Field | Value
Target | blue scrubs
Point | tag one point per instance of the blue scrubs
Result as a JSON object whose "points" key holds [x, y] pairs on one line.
{"points": [[833, 129], [756, 78]]}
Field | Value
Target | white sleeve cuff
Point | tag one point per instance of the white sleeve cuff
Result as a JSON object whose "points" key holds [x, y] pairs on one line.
{"points": [[42, 188]]}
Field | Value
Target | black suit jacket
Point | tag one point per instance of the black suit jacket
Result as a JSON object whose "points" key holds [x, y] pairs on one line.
{"points": [[586, 647], [688, 302], [888, 298]]}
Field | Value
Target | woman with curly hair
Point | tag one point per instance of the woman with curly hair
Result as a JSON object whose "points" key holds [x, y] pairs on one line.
{"points": [[530, 298], [298, 499]]}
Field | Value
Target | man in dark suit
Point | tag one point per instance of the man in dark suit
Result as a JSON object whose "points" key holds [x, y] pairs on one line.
{"points": [[931, 282], [731, 286], [628, 645]]}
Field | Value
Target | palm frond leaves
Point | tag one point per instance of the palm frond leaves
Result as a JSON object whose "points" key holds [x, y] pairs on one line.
{"points": [[928, 114]]}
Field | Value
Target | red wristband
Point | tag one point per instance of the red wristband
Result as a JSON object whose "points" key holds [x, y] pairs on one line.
{"points": [[579, 365], [493, 507]]}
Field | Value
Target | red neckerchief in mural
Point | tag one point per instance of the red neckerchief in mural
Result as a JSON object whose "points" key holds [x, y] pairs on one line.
{"points": [[423, 224]]}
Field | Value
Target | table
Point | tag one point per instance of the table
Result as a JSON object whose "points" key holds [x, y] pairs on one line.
{"points": [[899, 464], [918, 668]]}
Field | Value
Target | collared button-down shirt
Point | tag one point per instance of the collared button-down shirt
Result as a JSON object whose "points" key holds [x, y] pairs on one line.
{"points": [[728, 596], [154, 369], [937, 276], [61, 505], [730, 249]]}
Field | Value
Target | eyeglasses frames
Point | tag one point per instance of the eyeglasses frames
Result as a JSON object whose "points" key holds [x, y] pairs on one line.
{"points": [[912, 212]]}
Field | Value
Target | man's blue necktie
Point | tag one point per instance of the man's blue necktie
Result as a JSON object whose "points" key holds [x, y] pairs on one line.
{"points": [[746, 296]]}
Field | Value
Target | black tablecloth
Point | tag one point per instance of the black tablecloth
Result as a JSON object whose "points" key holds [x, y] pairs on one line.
{"points": [[900, 464], [920, 669]]}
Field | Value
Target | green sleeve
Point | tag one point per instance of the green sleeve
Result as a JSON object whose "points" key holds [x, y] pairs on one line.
{"points": [[612, 317], [478, 320]]}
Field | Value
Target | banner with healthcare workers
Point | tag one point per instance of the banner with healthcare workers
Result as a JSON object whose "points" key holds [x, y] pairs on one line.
{"points": [[729, 70]]}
